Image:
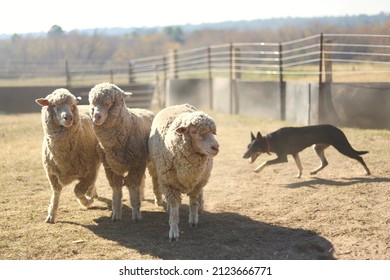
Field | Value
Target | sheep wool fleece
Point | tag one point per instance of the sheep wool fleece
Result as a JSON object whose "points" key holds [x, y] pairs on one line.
{"points": [[174, 163], [68, 153], [123, 137]]}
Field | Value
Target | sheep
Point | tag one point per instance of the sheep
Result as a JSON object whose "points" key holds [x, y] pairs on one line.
{"points": [[181, 150], [123, 135], [70, 149]]}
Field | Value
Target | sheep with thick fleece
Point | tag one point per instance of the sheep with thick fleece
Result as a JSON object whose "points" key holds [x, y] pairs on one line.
{"points": [[123, 135], [69, 150], [181, 149]]}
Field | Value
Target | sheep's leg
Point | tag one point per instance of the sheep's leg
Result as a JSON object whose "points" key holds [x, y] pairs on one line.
{"points": [[83, 189], [54, 200], [173, 222], [158, 201], [142, 188], [116, 203], [92, 192], [134, 181], [173, 197], [196, 206], [116, 183]]}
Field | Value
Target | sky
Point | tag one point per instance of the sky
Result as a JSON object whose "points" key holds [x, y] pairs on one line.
{"points": [[29, 16]]}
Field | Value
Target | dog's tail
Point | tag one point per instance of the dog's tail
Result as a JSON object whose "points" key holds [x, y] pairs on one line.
{"points": [[362, 152]]}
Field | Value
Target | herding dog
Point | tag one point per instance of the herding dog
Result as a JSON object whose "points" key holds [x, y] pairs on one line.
{"points": [[292, 140]]}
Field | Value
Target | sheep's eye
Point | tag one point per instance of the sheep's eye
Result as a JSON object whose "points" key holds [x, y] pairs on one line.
{"points": [[194, 132]]}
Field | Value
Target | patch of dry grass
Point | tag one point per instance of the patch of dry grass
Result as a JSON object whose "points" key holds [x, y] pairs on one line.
{"points": [[339, 213]]}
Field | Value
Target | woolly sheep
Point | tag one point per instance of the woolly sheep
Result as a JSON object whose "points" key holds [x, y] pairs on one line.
{"points": [[123, 135], [69, 150], [181, 148]]}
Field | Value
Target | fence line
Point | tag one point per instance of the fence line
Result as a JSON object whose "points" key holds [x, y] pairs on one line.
{"points": [[257, 60], [302, 58]]}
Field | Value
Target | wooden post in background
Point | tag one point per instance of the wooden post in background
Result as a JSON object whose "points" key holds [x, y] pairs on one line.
{"points": [[282, 85], [131, 76], [165, 76], [236, 64], [112, 76], [321, 97], [68, 76], [328, 62], [231, 62], [210, 76], [173, 73]]}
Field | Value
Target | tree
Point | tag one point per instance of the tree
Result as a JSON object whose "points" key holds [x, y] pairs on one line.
{"points": [[174, 33], [55, 31]]}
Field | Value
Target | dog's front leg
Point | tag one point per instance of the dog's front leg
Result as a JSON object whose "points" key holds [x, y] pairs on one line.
{"points": [[279, 159], [299, 165]]}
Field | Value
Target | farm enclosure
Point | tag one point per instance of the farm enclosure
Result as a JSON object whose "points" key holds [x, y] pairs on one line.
{"points": [[337, 214]]}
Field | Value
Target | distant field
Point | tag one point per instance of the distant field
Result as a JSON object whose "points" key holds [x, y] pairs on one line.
{"points": [[343, 72], [337, 214]]}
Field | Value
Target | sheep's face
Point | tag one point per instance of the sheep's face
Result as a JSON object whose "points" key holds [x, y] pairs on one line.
{"points": [[62, 107], [203, 141], [99, 111], [105, 99]]}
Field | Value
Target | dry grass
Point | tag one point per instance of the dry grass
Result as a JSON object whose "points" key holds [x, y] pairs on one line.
{"points": [[337, 214]]}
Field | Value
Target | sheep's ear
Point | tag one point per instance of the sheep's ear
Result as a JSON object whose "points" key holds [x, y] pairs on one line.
{"points": [[181, 130], [78, 99], [258, 136], [42, 102], [127, 94]]}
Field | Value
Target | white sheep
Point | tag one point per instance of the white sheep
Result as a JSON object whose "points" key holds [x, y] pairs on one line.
{"points": [[181, 149], [69, 150], [123, 135]]}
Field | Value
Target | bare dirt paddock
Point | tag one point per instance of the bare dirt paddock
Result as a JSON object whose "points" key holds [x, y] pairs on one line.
{"points": [[338, 214]]}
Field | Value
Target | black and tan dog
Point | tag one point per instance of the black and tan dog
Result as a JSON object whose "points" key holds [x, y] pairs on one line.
{"points": [[292, 140]]}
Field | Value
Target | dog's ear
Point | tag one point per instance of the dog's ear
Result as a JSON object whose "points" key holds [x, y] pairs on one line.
{"points": [[258, 136], [252, 136]]}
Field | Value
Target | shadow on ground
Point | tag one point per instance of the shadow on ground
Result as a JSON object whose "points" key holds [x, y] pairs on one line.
{"points": [[314, 182], [218, 236]]}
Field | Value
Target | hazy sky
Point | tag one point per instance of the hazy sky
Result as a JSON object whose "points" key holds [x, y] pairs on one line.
{"points": [[25, 16]]}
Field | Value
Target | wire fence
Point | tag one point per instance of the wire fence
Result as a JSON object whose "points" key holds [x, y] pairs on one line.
{"points": [[309, 58], [341, 57]]}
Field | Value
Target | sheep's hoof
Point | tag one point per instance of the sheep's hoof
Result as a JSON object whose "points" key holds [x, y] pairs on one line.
{"points": [[115, 218], [193, 225], [85, 201], [159, 202], [174, 233], [173, 239], [137, 216], [49, 219]]}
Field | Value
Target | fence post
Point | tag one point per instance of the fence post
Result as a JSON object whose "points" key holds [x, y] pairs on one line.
{"points": [[131, 76], [209, 68], [112, 76], [173, 64], [282, 85], [164, 82], [231, 54], [68, 76], [328, 62], [321, 97], [236, 66]]}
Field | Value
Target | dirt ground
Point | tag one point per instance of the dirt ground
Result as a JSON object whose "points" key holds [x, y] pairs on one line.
{"points": [[338, 214]]}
